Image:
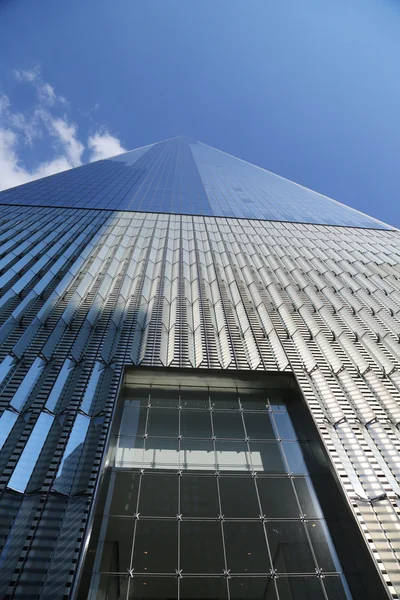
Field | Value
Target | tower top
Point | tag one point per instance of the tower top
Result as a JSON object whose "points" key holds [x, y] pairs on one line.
{"points": [[183, 176]]}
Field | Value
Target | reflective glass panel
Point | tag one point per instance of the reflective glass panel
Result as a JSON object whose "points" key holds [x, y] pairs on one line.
{"points": [[159, 495], [246, 548], [201, 547], [238, 497], [199, 496], [151, 556]]}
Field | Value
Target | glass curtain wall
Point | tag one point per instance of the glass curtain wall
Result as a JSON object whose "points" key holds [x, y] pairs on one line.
{"points": [[209, 494]]}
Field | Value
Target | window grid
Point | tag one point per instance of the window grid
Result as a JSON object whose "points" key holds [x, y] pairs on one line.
{"points": [[169, 487]]}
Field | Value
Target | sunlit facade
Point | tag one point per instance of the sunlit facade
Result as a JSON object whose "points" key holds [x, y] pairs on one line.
{"points": [[199, 385]]}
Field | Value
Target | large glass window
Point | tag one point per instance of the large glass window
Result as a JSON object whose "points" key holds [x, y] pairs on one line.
{"points": [[210, 494]]}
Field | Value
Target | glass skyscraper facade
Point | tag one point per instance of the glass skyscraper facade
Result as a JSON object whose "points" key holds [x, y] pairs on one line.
{"points": [[199, 385]]}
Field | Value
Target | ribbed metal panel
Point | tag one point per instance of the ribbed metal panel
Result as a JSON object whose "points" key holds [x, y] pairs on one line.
{"points": [[86, 292]]}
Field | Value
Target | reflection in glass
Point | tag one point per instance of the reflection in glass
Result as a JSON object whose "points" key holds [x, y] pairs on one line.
{"points": [[200, 510], [69, 461], [27, 461], [109, 587], [197, 454], [300, 588], [133, 420], [129, 452], [59, 384], [307, 497], [290, 550], [27, 384], [7, 421], [161, 453], [284, 426], [115, 545], [232, 455], [123, 488], [267, 457], [336, 588], [323, 547], [295, 458], [91, 387]]}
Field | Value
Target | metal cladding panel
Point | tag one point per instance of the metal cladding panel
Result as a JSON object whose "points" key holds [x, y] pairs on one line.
{"points": [[85, 293], [183, 176]]}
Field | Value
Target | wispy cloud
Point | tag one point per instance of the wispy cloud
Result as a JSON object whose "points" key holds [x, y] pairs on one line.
{"points": [[102, 145], [49, 121]]}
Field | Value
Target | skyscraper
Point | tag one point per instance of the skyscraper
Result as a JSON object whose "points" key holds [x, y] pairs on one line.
{"points": [[200, 384]]}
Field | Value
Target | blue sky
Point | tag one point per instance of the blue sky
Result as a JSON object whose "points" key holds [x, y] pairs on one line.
{"points": [[309, 90]]}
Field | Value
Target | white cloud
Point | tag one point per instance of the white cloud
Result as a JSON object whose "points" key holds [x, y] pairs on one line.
{"points": [[103, 145], [47, 120]]}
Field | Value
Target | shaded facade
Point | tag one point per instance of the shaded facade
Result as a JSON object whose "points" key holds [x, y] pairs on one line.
{"points": [[184, 260]]}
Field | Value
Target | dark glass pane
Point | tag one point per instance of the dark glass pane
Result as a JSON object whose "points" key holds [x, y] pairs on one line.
{"points": [[196, 423], [152, 556], [259, 426], [117, 546], [152, 587], [322, 545], [133, 421], [163, 422], [252, 588], [239, 497], [308, 499], [164, 397], [285, 426], [232, 455], [336, 588], [124, 488], [199, 496], [277, 497], [253, 400], [197, 454], [300, 588], [201, 547], [203, 588], [289, 547], [224, 399], [192, 397], [246, 548], [267, 457], [228, 425], [159, 495], [108, 587]]}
